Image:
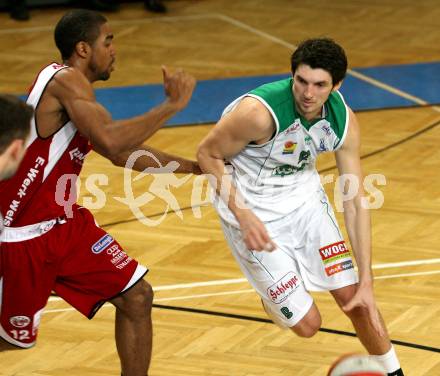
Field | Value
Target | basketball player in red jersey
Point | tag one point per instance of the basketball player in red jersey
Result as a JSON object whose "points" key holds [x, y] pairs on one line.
{"points": [[45, 250], [15, 120]]}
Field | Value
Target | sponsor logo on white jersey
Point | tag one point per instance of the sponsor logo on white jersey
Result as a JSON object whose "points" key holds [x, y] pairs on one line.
{"points": [[333, 252], [337, 268], [281, 289], [293, 128]]}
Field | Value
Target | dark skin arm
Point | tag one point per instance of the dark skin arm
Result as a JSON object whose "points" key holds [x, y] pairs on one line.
{"points": [[70, 95], [185, 165]]}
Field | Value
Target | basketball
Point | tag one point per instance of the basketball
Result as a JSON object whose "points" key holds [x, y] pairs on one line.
{"points": [[356, 365]]}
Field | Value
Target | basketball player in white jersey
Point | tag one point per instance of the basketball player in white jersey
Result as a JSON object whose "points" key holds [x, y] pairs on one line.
{"points": [[274, 212], [45, 249]]}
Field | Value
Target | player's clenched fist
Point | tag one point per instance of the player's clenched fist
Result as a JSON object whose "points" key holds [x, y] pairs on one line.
{"points": [[178, 87]]}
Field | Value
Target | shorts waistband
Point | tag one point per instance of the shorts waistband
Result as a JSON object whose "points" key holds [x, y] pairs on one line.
{"points": [[19, 234]]}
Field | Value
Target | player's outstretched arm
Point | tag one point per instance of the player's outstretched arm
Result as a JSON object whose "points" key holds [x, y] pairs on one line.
{"points": [[358, 223], [250, 121], [152, 156], [111, 138]]}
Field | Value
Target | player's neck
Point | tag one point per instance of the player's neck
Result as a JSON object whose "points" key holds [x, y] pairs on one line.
{"points": [[310, 116], [82, 66]]}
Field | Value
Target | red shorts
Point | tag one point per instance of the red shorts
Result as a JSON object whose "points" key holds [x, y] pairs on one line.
{"points": [[75, 258]]}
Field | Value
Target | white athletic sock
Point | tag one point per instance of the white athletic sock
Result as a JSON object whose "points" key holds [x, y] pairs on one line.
{"points": [[388, 360]]}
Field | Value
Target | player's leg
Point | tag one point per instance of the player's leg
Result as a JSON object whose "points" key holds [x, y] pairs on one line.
{"points": [[133, 328], [322, 258], [374, 343], [96, 269], [379, 346], [330, 267], [28, 275], [275, 277], [306, 327]]}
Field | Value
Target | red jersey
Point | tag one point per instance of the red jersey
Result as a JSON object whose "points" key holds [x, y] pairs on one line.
{"points": [[29, 196]]}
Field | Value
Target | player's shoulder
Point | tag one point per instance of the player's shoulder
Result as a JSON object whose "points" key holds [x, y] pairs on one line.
{"points": [[252, 111], [70, 81], [250, 117], [275, 93], [71, 76], [336, 100]]}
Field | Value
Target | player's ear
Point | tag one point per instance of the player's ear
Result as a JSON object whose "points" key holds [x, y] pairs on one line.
{"points": [[337, 86], [83, 49], [17, 149]]}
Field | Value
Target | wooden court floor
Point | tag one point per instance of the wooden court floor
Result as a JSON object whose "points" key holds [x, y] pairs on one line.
{"points": [[192, 270]]}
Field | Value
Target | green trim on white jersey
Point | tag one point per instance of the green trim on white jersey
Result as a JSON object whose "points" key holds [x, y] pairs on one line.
{"points": [[278, 176], [276, 94]]}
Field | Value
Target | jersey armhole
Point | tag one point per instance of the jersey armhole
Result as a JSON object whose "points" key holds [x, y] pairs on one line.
{"points": [[347, 121], [277, 124]]}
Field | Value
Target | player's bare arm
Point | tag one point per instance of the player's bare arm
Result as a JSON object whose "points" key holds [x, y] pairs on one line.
{"points": [[108, 137], [358, 223], [249, 122], [356, 217], [145, 161]]}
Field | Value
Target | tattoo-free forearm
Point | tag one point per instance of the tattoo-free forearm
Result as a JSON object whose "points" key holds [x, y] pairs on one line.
{"points": [[152, 158], [130, 133], [358, 225]]}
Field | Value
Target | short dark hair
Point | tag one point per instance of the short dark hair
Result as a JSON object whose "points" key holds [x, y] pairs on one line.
{"points": [[322, 53], [15, 120], [78, 25]]}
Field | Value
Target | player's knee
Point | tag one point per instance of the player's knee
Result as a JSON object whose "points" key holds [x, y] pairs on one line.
{"points": [[138, 299], [307, 329], [144, 294], [305, 332]]}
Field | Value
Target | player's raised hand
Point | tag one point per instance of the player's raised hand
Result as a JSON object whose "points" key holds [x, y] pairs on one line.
{"points": [[178, 87], [254, 233]]}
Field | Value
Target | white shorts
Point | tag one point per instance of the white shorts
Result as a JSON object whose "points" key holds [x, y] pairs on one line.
{"points": [[311, 255]]}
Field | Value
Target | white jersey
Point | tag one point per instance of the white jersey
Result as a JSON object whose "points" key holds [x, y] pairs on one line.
{"points": [[277, 177]]}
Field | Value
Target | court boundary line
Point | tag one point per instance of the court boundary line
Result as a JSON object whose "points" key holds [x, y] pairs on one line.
{"points": [[244, 280], [135, 21], [243, 26], [268, 321], [351, 72], [321, 171]]}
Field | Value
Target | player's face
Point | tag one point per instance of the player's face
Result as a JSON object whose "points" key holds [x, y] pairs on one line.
{"points": [[103, 54], [311, 89]]}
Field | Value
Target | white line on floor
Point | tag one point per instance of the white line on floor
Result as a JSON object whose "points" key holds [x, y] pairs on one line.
{"points": [[169, 287]]}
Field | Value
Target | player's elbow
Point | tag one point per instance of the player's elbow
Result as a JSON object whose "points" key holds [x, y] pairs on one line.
{"points": [[118, 160], [110, 149], [202, 155]]}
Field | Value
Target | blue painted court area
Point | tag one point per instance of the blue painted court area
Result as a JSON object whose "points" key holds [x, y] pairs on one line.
{"points": [[212, 96]]}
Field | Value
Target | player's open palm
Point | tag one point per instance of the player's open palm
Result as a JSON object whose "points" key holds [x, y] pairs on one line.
{"points": [[255, 234], [178, 86]]}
